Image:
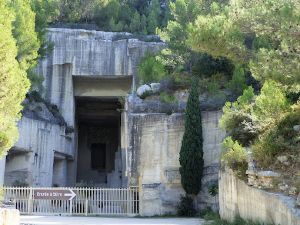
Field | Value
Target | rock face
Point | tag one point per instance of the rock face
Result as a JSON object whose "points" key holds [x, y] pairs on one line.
{"points": [[100, 57], [156, 141], [83, 53], [239, 199], [98, 70]]}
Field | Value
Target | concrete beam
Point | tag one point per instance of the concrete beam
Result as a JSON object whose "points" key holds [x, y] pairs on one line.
{"points": [[102, 86]]}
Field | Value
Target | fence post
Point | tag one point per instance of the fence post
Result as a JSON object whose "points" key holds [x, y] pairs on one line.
{"points": [[86, 207], [30, 201], [71, 206]]}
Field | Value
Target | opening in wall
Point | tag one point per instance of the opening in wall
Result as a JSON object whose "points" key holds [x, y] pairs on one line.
{"points": [[99, 158]]}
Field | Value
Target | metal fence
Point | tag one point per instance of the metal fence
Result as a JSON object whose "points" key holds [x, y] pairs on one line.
{"points": [[88, 201]]}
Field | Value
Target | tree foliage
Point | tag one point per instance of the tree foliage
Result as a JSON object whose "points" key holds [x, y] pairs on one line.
{"points": [[13, 81], [137, 16], [25, 34], [151, 70], [265, 34], [191, 152]]}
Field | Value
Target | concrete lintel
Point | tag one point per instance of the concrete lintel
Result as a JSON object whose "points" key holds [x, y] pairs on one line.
{"points": [[102, 86]]}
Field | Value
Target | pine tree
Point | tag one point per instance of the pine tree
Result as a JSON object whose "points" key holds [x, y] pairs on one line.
{"points": [[24, 33], [152, 23], [154, 16], [144, 24], [191, 152], [135, 23]]}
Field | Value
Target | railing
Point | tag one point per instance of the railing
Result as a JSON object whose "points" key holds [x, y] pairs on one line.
{"points": [[88, 201]]}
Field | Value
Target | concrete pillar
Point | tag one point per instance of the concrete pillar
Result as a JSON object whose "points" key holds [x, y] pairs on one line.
{"points": [[2, 170]]}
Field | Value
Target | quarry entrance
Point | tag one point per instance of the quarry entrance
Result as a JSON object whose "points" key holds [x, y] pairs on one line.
{"points": [[99, 162], [99, 109]]}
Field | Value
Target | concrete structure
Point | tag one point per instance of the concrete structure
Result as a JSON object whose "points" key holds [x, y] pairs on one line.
{"points": [[104, 135], [239, 199], [9, 216]]}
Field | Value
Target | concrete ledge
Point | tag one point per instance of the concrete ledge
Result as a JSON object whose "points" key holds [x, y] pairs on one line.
{"points": [[238, 199], [9, 216]]}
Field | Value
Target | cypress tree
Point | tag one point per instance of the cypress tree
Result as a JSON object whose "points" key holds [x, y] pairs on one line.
{"points": [[191, 152]]}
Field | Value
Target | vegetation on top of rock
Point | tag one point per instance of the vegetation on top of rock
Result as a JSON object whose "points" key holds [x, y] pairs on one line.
{"points": [[180, 62], [235, 156], [150, 70], [135, 16], [264, 41]]}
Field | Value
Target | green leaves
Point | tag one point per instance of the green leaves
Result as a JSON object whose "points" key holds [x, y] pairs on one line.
{"points": [[191, 152], [13, 81], [235, 156], [24, 33], [151, 70], [262, 33]]}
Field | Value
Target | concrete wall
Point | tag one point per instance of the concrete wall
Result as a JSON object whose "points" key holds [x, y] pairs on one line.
{"points": [[156, 141], [90, 54], [238, 199], [31, 159], [9, 217]]}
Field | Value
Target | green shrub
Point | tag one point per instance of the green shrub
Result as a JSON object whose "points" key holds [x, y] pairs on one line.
{"points": [[214, 219], [235, 156], [186, 207], [237, 119], [271, 103], [279, 138], [237, 84], [167, 98], [151, 70], [209, 214]]}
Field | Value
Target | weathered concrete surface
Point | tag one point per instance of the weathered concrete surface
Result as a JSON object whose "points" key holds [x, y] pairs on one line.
{"points": [[85, 53], [238, 199], [156, 142], [9, 217], [31, 160], [82, 63], [48, 220]]}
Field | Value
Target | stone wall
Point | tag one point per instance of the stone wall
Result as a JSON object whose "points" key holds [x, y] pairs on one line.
{"points": [[89, 54], [238, 199], [9, 216], [31, 160], [156, 141]]}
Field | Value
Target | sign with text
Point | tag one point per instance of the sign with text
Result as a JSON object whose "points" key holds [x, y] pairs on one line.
{"points": [[54, 194]]}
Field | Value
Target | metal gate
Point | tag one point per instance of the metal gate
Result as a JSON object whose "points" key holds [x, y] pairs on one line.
{"points": [[62, 201]]}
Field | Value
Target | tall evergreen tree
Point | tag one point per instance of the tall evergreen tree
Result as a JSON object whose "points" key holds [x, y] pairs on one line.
{"points": [[191, 152], [25, 34], [154, 16], [135, 23], [13, 81]]}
